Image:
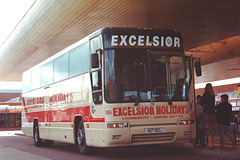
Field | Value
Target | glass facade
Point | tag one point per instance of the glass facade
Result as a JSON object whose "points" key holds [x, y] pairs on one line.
{"points": [[10, 117]]}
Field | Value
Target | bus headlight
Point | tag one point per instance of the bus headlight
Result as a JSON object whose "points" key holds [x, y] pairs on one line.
{"points": [[182, 122], [117, 125]]}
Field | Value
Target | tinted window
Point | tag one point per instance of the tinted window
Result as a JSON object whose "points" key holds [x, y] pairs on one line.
{"points": [[47, 73], [26, 82], [61, 68], [78, 60], [36, 78], [140, 76], [95, 44]]}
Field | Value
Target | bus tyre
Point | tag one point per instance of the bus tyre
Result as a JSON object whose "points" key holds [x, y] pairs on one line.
{"points": [[81, 139], [37, 139]]}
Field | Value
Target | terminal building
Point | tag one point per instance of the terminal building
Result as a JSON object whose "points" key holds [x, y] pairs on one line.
{"points": [[10, 109]]}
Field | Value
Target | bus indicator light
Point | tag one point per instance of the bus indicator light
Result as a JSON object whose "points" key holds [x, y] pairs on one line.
{"points": [[117, 125], [187, 133], [184, 122], [87, 125]]}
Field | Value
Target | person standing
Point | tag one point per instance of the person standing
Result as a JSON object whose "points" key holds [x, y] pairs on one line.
{"points": [[209, 115], [199, 109], [224, 113]]}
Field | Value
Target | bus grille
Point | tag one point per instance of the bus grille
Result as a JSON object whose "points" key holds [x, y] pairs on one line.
{"points": [[160, 137]]}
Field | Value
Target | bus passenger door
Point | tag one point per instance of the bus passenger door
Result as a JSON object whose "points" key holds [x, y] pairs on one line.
{"points": [[190, 65], [96, 69], [96, 84]]}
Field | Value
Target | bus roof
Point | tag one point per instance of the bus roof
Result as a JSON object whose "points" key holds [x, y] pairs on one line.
{"points": [[138, 30], [106, 30]]}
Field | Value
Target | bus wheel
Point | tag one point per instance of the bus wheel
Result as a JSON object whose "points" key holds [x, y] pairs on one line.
{"points": [[81, 139], [37, 139]]}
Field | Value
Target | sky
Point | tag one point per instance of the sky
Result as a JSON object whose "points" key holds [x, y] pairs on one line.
{"points": [[11, 13]]}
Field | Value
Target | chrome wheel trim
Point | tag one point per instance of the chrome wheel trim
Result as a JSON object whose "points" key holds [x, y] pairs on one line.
{"points": [[80, 136]]}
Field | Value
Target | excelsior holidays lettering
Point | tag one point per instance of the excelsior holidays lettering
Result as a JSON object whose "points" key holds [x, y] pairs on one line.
{"points": [[158, 110], [143, 40]]}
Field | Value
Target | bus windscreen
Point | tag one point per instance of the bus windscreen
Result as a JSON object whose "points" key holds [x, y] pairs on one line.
{"points": [[137, 75]]}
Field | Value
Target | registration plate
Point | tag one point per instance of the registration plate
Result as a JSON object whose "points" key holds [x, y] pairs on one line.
{"points": [[154, 130]]}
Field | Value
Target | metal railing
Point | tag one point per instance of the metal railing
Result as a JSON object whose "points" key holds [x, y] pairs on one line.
{"points": [[235, 132]]}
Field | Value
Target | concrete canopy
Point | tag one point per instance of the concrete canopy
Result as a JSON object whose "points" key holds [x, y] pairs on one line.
{"points": [[210, 30]]}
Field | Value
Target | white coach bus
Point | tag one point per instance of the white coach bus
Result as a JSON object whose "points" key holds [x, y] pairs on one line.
{"points": [[116, 87]]}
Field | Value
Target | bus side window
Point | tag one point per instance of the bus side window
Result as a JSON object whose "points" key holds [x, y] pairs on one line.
{"points": [[26, 82], [95, 49], [96, 70], [97, 86]]}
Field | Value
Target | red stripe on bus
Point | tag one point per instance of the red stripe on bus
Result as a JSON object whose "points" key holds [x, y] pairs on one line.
{"points": [[24, 105], [23, 101], [63, 115]]}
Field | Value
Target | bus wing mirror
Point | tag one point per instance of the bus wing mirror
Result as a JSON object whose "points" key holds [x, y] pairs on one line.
{"points": [[198, 69], [94, 60]]}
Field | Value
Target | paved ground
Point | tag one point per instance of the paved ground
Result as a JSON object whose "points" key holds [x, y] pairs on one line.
{"points": [[15, 146], [228, 151]]}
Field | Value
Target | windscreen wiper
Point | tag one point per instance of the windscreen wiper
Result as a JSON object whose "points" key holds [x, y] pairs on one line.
{"points": [[137, 99]]}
